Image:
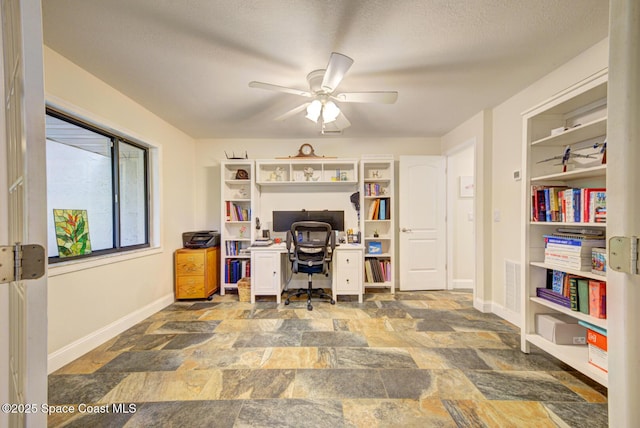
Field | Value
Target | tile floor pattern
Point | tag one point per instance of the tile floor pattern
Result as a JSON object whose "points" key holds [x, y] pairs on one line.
{"points": [[419, 359]]}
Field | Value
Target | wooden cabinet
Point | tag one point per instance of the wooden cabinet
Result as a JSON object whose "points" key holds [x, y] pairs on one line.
{"points": [[196, 273], [347, 271]]}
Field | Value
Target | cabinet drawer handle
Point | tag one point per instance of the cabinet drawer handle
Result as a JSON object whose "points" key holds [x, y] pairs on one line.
{"points": [[347, 280], [347, 260]]}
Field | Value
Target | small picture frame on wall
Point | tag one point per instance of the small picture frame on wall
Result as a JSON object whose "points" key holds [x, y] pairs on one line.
{"points": [[466, 187]]}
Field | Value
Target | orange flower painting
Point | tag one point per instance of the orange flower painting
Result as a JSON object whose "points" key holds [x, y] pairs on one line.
{"points": [[72, 232]]}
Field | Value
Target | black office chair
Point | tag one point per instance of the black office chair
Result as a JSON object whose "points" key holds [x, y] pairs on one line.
{"points": [[310, 254]]}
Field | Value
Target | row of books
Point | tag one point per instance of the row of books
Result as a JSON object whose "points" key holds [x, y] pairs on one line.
{"points": [[380, 209], [374, 189], [235, 248], [377, 270], [579, 294], [235, 270], [568, 205], [235, 212], [572, 251]]}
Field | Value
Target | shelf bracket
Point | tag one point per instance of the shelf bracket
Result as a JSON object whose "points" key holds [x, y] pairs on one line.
{"points": [[623, 254]]}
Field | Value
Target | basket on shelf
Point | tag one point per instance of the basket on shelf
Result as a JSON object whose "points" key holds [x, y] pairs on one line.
{"points": [[244, 289]]}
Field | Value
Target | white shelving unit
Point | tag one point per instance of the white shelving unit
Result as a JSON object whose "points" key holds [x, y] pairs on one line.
{"points": [[239, 199], [377, 218], [307, 171], [582, 111]]}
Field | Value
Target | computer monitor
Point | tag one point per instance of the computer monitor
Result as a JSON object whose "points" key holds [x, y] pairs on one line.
{"points": [[282, 220]]}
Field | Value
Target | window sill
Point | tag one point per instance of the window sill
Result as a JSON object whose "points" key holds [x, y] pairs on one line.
{"points": [[63, 268]]}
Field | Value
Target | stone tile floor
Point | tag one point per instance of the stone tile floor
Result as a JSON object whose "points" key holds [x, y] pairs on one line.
{"points": [[413, 359]]}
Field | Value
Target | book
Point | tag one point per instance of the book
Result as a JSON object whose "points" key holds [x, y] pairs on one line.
{"points": [[599, 261], [573, 293], [551, 296], [583, 295], [557, 281], [597, 299], [598, 208]]}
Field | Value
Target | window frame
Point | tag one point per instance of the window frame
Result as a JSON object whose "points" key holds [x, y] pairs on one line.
{"points": [[116, 138]]}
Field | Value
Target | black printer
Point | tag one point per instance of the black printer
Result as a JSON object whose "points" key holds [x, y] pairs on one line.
{"points": [[201, 239]]}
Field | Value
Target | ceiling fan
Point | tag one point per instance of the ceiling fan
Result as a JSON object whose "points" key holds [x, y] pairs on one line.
{"points": [[322, 95]]}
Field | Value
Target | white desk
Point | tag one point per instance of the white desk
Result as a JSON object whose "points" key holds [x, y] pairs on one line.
{"points": [[270, 267]]}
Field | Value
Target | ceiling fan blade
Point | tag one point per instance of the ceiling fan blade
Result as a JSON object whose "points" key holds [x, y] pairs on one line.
{"points": [[292, 112], [270, 87], [336, 69], [384, 97]]}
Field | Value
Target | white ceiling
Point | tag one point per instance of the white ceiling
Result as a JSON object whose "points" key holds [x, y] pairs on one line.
{"points": [[190, 62]]}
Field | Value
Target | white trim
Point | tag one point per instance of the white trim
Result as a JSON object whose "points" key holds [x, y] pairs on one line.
{"points": [[63, 268], [506, 314], [467, 284], [482, 306], [74, 350]]}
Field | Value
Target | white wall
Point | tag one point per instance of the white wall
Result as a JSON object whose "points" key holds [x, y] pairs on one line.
{"points": [[507, 157], [91, 300]]}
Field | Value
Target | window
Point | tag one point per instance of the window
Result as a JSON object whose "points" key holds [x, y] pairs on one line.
{"points": [[98, 182]]}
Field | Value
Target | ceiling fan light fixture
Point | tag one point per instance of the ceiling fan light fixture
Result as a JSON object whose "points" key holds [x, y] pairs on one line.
{"points": [[330, 112], [313, 111]]}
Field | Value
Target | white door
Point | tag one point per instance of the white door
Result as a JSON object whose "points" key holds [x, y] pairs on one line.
{"points": [[422, 224], [23, 334]]}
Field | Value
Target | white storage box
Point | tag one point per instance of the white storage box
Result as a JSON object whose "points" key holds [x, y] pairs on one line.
{"points": [[561, 329]]}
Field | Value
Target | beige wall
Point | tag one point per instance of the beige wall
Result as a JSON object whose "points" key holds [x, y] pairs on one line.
{"points": [[507, 157], [88, 301]]}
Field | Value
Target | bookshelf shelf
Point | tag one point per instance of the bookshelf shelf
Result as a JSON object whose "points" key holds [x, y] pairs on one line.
{"points": [[583, 273], [582, 110], [602, 323], [578, 173], [377, 187], [580, 133], [574, 355]]}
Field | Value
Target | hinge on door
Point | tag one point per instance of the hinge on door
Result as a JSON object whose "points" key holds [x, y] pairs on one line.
{"points": [[20, 262], [623, 254]]}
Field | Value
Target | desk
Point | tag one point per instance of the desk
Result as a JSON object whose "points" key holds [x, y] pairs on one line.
{"points": [[270, 266]]}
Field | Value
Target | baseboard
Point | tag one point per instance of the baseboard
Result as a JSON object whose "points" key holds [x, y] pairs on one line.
{"points": [[74, 350], [467, 284], [482, 306], [506, 314]]}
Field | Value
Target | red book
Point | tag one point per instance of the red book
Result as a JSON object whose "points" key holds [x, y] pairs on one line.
{"points": [[597, 298]]}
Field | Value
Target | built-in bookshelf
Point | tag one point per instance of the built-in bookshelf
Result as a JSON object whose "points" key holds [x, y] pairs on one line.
{"points": [[239, 198], [377, 221], [564, 162]]}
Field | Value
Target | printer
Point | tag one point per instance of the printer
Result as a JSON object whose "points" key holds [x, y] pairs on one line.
{"points": [[201, 239]]}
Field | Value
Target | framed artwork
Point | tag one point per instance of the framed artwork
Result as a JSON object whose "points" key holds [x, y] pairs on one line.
{"points": [[72, 232], [466, 186]]}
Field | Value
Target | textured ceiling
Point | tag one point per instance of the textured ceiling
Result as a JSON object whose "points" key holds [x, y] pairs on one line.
{"points": [[190, 62]]}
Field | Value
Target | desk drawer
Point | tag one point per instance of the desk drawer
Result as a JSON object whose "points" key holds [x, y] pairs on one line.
{"points": [[188, 287], [348, 260], [191, 263]]}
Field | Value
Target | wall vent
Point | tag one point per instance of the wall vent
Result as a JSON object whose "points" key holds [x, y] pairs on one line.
{"points": [[512, 287]]}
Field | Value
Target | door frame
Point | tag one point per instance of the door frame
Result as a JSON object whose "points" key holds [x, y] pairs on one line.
{"points": [[451, 192], [31, 120]]}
